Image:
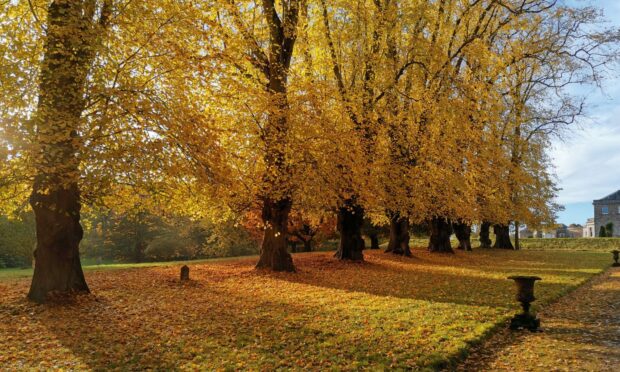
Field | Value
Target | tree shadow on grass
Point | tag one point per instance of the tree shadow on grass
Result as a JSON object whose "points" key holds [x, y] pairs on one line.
{"points": [[320, 316], [426, 279], [211, 324], [581, 331], [555, 347], [102, 336], [141, 319]]}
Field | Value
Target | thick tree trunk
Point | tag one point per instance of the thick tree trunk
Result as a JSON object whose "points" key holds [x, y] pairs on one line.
{"points": [[71, 40], [502, 237], [274, 249], [463, 234], [485, 235], [57, 256], [517, 238], [399, 235], [374, 241], [308, 245], [440, 231], [282, 36], [350, 222]]}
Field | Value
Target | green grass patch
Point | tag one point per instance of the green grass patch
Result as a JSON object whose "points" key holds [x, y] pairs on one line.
{"points": [[390, 312], [6, 274]]}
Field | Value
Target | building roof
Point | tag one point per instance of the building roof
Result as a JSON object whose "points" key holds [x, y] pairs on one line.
{"points": [[611, 197]]}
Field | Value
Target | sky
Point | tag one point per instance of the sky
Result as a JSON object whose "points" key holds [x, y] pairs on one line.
{"points": [[587, 161]]}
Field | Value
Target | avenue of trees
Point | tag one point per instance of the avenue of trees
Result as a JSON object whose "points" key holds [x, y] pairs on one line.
{"points": [[289, 116]]}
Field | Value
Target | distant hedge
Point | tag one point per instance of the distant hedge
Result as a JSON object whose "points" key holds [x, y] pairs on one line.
{"points": [[572, 244], [569, 244]]}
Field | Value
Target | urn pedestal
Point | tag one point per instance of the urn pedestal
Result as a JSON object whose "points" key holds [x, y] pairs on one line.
{"points": [[616, 254], [525, 295]]}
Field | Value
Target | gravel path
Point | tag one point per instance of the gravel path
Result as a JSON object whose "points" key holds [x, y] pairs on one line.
{"points": [[581, 332]]}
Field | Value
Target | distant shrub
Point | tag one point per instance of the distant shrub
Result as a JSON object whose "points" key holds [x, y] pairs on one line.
{"points": [[609, 228], [572, 244]]}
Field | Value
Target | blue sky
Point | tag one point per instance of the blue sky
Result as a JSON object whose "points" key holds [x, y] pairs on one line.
{"points": [[587, 161]]}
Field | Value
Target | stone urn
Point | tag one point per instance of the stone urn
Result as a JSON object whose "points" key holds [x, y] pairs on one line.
{"points": [[525, 295], [616, 254]]}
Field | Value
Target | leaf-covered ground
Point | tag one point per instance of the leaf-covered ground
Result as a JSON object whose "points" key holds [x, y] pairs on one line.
{"points": [[387, 312], [581, 332]]}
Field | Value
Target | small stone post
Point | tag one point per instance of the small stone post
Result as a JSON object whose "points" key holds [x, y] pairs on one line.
{"points": [[184, 273]]}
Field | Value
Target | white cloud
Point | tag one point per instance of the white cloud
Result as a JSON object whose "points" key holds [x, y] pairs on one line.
{"points": [[588, 163]]}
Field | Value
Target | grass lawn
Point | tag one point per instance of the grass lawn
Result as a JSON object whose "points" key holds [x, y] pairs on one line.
{"points": [[6, 274], [388, 312]]}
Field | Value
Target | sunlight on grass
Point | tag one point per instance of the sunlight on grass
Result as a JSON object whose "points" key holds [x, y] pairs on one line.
{"points": [[388, 312]]}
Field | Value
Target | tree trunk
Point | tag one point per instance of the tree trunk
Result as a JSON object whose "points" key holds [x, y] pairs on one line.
{"points": [[71, 41], [374, 241], [350, 221], [141, 233], [463, 234], [275, 66], [294, 247], [502, 237], [399, 235], [517, 243], [274, 249], [485, 233], [440, 231], [57, 256], [308, 245], [139, 251]]}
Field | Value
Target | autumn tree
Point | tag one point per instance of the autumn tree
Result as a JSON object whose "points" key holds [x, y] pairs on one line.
{"points": [[609, 228], [385, 111], [308, 231], [82, 94], [276, 199], [73, 35], [429, 88], [550, 52], [356, 48]]}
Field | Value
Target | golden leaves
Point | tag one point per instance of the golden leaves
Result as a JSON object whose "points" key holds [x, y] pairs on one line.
{"points": [[387, 312], [421, 117]]}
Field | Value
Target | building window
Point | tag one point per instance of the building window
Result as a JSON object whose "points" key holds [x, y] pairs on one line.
{"points": [[605, 209]]}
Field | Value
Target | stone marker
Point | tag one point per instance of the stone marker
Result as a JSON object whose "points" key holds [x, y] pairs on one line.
{"points": [[184, 273]]}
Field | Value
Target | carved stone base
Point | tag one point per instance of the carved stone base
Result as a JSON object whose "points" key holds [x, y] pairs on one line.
{"points": [[525, 321]]}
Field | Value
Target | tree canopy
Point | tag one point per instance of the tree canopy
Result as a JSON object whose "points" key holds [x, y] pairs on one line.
{"points": [[398, 111]]}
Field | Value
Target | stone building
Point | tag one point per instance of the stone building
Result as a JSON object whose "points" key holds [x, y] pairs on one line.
{"points": [[588, 230], [575, 230], [607, 210], [572, 231], [562, 231]]}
